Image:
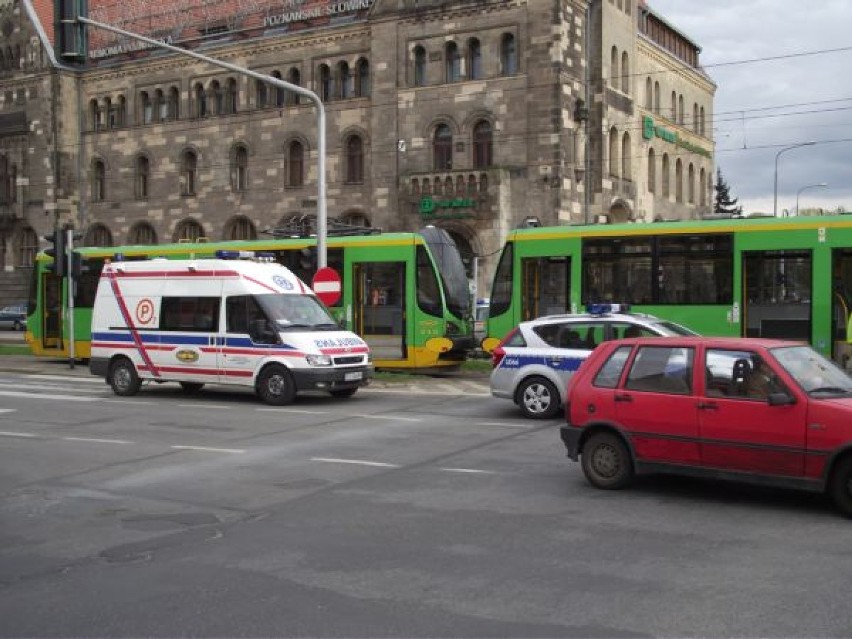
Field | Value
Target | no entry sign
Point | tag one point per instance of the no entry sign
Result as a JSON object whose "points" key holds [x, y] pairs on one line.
{"points": [[327, 285]]}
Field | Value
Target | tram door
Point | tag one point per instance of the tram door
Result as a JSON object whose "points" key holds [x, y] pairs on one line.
{"points": [[379, 312], [51, 327], [546, 286], [841, 306], [777, 294]]}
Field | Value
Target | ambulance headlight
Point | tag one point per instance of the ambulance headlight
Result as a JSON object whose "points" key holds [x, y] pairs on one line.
{"points": [[318, 360]]}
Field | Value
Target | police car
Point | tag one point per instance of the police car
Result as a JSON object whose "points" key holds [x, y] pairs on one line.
{"points": [[533, 363]]}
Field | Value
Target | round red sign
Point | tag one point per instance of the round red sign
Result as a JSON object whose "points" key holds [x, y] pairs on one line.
{"points": [[327, 285]]}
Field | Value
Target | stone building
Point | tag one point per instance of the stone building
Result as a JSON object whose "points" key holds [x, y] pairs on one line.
{"points": [[474, 115]]}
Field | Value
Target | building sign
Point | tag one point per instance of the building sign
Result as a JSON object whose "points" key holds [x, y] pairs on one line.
{"points": [[126, 46], [651, 131], [296, 11], [429, 208]]}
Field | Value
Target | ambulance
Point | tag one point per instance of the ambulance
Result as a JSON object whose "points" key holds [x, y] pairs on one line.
{"points": [[236, 319]]}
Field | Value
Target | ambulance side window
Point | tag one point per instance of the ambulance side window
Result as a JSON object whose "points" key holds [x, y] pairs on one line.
{"points": [[243, 315], [192, 314]]}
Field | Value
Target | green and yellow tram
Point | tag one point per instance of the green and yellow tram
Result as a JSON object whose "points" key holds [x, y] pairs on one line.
{"points": [[406, 294], [753, 277]]}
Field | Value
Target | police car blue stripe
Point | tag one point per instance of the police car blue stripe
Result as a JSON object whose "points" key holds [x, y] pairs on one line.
{"points": [[513, 362]]}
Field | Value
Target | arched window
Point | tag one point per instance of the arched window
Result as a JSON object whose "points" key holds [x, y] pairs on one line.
{"points": [[442, 148], [94, 112], [188, 173], [122, 110], [142, 233], [231, 96], [613, 152], [295, 78], [419, 66], [354, 160], [344, 80], [111, 116], [98, 235], [652, 171], [200, 96], [625, 73], [5, 191], [474, 59], [508, 54], [356, 218], [679, 180], [188, 230], [295, 164], [143, 175], [695, 117], [691, 183], [680, 110], [666, 176], [147, 108], [325, 86], [657, 98], [159, 104], [674, 106], [239, 168], [626, 160], [649, 94], [174, 103], [614, 78], [239, 228], [701, 129], [218, 98], [362, 78], [26, 247], [453, 62], [482, 145], [98, 181], [260, 94], [278, 92], [701, 181]]}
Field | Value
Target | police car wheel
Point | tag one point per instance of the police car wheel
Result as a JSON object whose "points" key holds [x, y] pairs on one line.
{"points": [[191, 387], [343, 392], [538, 398], [275, 385], [123, 378]]}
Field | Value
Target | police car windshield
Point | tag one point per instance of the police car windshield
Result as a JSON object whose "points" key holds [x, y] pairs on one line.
{"points": [[296, 312]]}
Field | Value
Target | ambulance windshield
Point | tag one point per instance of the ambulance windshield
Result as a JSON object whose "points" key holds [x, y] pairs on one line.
{"points": [[296, 312]]}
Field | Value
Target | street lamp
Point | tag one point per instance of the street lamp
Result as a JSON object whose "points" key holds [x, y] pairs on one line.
{"points": [[777, 155], [809, 186]]}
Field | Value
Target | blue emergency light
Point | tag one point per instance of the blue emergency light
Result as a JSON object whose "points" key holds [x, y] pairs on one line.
{"points": [[234, 255], [601, 309]]}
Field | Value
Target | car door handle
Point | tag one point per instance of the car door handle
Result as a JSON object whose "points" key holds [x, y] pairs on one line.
{"points": [[620, 397], [708, 406]]}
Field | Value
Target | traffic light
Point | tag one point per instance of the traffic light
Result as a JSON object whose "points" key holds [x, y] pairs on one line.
{"points": [[71, 42], [78, 265], [57, 251]]}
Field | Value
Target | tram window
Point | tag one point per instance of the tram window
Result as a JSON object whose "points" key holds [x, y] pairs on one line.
{"points": [[87, 284], [617, 271], [695, 270], [546, 286], [428, 290], [501, 295]]}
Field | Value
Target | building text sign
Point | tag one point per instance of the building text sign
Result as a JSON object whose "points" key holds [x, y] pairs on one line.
{"points": [[651, 131]]}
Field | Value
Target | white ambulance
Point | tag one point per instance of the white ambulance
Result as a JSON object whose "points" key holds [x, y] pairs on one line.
{"points": [[236, 319]]}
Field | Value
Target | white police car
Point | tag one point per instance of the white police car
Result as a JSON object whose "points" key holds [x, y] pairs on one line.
{"points": [[533, 363]]}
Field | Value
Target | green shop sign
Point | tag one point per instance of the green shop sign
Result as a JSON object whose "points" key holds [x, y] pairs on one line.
{"points": [[650, 131], [429, 208]]}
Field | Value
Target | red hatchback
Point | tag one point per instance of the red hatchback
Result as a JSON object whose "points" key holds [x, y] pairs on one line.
{"points": [[764, 411]]}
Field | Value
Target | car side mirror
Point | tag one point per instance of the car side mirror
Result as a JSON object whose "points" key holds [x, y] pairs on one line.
{"points": [[780, 399]]}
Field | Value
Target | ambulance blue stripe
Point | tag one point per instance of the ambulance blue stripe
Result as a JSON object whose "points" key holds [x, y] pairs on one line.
{"points": [[183, 339], [512, 362]]}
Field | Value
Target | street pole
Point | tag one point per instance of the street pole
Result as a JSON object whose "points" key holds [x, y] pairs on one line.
{"points": [[322, 216], [809, 186], [777, 155]]}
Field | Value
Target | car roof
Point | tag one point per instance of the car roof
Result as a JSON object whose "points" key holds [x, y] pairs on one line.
{"points": [[595, 316], [712, 342]]}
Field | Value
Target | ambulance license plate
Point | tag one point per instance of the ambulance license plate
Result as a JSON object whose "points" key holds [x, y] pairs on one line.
{"points": [[351, 377]]}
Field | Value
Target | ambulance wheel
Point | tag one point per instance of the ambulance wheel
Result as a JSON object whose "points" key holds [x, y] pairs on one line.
{"points": [[343, 392], [191, 387], [123, 377], [275, 385]]}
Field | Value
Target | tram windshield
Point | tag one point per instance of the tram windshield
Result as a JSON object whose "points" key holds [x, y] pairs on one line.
{"points": [[448, 259]]}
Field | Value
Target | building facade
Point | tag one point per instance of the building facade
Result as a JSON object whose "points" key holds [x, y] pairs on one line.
{"points": [[474, 115]]}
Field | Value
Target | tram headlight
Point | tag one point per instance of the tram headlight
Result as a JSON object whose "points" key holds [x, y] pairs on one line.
{"points": [[318, 360]]}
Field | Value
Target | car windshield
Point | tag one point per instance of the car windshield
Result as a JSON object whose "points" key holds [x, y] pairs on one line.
{"points": [[297, 312], [670, 328], [813, 372]]}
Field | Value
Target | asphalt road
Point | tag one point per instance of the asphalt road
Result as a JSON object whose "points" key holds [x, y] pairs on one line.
{"points": [[415, 510]]}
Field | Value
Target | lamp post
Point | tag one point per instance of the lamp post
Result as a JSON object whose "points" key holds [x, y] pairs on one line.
{"points": [[777, 155], [809, 186]]}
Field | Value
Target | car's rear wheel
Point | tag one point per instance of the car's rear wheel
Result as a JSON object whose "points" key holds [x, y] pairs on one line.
{"points": [[606, 461], [123, 377], [538, 398], [191, 387], [275, 385], [840, 486]]}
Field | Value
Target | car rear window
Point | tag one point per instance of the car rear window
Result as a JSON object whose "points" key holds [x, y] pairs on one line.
{"points": [[610, 372]]}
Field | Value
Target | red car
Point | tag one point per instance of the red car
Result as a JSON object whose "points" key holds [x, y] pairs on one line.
{"points": [[765, 411]]}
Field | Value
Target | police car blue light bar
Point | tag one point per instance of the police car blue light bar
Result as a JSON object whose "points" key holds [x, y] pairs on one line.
{"points": [[234, 255], [601, 309]]}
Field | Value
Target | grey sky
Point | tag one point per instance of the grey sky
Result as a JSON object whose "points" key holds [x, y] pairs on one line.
{"points": [[816, 88]]}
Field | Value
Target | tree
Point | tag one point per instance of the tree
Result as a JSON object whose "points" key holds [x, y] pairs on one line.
{"points": [[723, 204]]}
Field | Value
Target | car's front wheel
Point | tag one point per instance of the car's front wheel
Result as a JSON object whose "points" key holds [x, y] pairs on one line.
{"points": [[275, 385], [538, 398], [606, 461], [840, 486]]}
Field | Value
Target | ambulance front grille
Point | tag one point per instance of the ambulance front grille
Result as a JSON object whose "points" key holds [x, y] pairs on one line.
{"points": [[350, 359]]}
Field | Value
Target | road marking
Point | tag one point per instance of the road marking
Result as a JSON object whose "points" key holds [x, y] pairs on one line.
{"points": [[8, 410], [210, 450], [11, 434], [422, 391], [472, 471], [359, 462], [136, 402], [96, 440], [400, 419], [292, 410], [87, 380], [507, 424], [65, 398], [202, 405]]}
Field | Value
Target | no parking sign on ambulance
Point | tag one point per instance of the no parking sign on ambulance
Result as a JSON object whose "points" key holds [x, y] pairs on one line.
{"points": [[327, 285]]}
